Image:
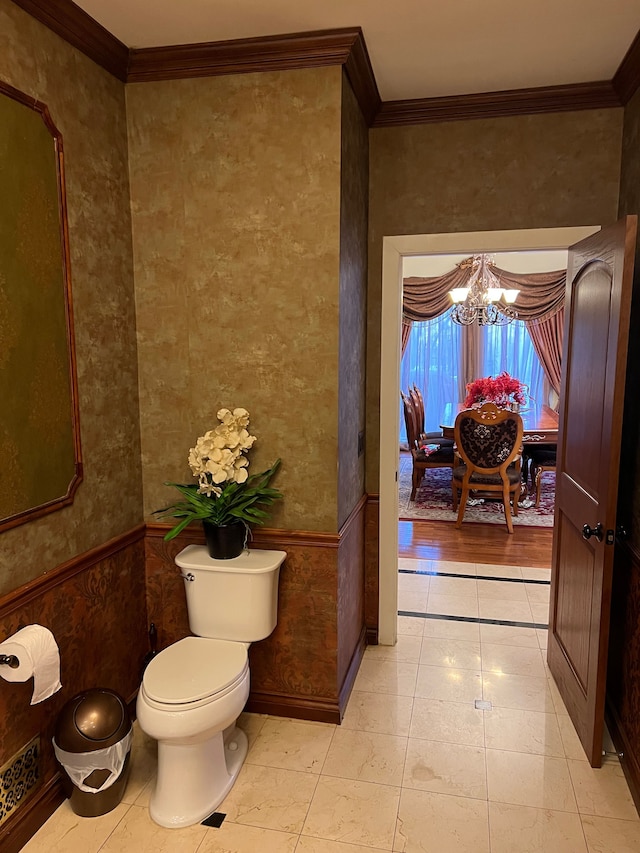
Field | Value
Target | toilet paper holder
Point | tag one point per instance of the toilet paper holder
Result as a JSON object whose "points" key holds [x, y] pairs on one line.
{"points": [[11, 660]]}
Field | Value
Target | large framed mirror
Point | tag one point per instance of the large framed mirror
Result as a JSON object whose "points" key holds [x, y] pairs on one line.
{"points": [[40, 455]]}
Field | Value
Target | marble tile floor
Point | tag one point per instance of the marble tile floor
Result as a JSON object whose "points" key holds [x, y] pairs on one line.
{"points": [[454, 741]]}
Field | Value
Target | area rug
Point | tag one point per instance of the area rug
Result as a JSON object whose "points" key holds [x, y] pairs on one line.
{"points": [[433, 500]]}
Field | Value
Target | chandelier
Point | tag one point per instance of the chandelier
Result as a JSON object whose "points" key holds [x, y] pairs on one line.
{"points": [[483, 300]]}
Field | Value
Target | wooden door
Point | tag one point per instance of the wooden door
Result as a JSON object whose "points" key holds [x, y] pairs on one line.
{"points": [[597, 309]]}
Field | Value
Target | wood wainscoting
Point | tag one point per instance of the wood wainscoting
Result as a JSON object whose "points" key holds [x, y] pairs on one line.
{"points": [[623, 679], [95, 607], [306, 668]]}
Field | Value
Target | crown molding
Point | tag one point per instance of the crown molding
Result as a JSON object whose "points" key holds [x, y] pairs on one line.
{"points": [[241, 56], [359, 71], [626, 80], [78, 28], [548, 99], [344, 47]]}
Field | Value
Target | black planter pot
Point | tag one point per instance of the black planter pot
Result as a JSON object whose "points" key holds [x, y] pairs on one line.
{"points": [[225, 541]]}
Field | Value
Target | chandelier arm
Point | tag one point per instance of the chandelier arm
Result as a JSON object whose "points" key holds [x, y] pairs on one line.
{"points": [[477, 307]]}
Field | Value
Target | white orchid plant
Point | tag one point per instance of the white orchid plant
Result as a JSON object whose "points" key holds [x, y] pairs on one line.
{"points": [[225, 492]]}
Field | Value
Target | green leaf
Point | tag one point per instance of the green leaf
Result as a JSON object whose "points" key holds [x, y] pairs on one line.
{"points": [[237, 502]]}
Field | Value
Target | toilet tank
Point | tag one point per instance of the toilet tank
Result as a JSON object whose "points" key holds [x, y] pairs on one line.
{"points": [[233, 599]]}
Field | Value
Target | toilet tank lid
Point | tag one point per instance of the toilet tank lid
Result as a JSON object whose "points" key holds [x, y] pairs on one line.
{"points": [[253, 561]]}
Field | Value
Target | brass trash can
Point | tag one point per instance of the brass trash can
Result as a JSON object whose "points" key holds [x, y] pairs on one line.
{"points": [[92, 743]]}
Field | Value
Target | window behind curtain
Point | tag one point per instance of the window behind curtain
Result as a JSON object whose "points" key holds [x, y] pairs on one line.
{"points": [[509, 348], [432, 362]]}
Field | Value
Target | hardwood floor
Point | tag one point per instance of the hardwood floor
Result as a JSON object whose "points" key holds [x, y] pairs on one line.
{"points": [[475, 543]]}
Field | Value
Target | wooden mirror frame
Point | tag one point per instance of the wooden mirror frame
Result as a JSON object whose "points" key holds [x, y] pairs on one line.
{"points": [[68, 425]]}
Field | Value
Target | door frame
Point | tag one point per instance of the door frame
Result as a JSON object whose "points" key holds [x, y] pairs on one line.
{"points": [[394, 249]]}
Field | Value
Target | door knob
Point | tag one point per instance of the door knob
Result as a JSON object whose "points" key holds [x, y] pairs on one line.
{"points": [[588, 532]]}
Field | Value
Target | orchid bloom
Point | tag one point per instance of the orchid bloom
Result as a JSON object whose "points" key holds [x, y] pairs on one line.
{"points": [[218, 455]]}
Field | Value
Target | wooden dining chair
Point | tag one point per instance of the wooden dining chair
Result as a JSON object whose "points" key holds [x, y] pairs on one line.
{"points": [[421, 458], [541, 458], [418, 404], [489, 442], [435, 436]]}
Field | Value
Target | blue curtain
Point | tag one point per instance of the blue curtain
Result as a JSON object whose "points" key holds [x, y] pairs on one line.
{"points": [[433, 362]]}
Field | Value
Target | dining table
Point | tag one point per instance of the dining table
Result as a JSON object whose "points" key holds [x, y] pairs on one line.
{"points": [[540, 422]]}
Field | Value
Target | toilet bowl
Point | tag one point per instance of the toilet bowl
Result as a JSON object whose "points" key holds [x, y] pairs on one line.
{"points": [[193, 691], [191, 695]]}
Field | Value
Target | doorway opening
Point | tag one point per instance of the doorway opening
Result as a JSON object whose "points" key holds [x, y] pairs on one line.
{"points": [[395, 251]]}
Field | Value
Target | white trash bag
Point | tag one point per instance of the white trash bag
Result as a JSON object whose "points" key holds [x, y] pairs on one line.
{"points": [[80, 765]]}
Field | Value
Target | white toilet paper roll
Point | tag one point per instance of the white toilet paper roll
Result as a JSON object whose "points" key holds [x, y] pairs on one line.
{"points": [[37, 651]]}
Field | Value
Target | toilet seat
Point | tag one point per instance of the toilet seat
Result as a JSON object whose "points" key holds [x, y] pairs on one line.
{"points": [[193, 672]]}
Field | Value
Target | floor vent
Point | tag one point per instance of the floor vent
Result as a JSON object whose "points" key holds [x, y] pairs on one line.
{"points": [[214, 819], [19, 777]]}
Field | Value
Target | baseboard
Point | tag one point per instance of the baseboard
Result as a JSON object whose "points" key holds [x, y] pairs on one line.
{"points": [[352, 671], [318, 710], [28, 819], [372, 636], [628, 760]]}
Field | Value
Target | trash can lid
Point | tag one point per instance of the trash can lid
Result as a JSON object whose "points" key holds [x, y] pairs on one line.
{"points": [[92, 720]]}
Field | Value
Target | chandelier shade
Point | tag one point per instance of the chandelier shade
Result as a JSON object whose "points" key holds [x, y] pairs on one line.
{"points": [[483, 301]]}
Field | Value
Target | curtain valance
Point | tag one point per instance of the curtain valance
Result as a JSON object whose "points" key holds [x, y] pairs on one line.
{"points": [[541, 294]]}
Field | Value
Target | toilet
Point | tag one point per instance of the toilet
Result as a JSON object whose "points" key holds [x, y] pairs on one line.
{"points": [[193, 692]]}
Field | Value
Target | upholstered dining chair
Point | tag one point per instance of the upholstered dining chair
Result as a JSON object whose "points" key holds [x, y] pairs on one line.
{"points": [[541, 458], [421, 458], [489, 442]]}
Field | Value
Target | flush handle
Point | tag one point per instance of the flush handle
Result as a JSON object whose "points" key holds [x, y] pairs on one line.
{"points": [[188, 577]]}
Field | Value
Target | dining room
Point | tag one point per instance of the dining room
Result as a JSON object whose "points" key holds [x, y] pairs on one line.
{"points": [[454, 359]]}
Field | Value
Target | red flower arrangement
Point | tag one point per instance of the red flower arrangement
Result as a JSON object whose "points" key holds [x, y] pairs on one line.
{"points": [[502, 390]]}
